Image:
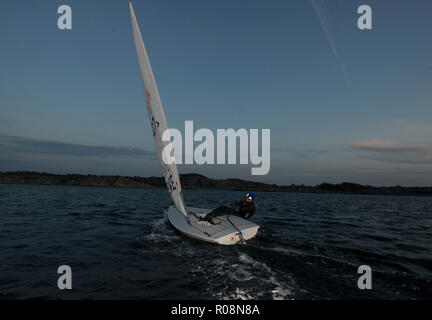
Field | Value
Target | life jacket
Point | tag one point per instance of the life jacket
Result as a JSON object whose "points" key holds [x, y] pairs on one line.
{"points": [[246, 209]]}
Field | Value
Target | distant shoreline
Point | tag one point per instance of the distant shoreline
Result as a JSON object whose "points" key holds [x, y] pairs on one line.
{"points": [[197, 181]]}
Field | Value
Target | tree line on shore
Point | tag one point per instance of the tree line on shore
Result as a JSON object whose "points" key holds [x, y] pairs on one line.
{"points": [[198, 181]]}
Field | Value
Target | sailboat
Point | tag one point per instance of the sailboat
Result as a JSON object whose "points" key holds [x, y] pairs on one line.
{"points": [[225, 229]]}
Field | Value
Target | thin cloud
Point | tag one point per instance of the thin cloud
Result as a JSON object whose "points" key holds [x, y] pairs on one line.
{"points": [[8, 122], [14, 145], [391, 152], [320, 12], [302, 152], [423, 159], [387, 146]]}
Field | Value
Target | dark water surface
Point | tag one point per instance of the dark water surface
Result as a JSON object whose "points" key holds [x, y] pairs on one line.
{"points": [[120, 245]]}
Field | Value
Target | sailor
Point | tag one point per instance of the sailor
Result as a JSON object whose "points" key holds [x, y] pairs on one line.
{"points": [[245, 208]]}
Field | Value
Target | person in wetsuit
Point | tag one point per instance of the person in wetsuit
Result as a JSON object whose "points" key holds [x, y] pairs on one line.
{"points": [[245, 208]]}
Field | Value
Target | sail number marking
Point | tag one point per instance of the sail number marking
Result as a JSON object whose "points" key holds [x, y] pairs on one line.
{"points": [[171, 184]]}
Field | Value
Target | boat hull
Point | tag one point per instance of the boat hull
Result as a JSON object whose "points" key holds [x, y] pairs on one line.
{"points": [[227, 230]]}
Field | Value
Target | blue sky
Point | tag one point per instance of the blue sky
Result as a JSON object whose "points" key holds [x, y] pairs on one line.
{"points": [[342, 104]]}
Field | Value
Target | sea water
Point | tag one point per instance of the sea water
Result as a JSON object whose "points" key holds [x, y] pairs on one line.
{"points": [[120, 245]]}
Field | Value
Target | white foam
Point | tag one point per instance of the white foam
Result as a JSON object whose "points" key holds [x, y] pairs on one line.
{"points": [[160, 223], [161, 234], [240, 294], [247, 279], [281, 290], [244, 258]]}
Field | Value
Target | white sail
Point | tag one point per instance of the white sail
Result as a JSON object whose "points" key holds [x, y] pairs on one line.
{"points": [[156, 116]]}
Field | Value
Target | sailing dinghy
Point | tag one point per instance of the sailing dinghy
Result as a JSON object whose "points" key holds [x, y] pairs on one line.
{"points": [[225, 229]]}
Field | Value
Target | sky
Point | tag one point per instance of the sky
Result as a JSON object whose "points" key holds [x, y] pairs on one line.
{"points": [[342, 104]]}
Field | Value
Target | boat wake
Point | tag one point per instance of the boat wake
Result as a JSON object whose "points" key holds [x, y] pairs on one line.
{"points": [[242, 278], [224, 273]]}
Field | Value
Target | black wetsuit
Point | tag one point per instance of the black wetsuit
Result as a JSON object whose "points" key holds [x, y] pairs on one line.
{"points": [[245, 210]]}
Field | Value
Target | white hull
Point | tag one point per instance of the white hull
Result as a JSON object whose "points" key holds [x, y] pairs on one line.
{"points": [[227, 230]]}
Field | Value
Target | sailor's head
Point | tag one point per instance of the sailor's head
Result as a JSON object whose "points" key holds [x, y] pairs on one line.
{"points": [[250, 196]]}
